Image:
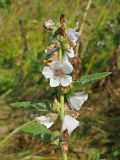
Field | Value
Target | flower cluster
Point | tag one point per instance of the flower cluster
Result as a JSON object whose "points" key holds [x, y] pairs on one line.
{"points": [[65, 40], [58, 70]]}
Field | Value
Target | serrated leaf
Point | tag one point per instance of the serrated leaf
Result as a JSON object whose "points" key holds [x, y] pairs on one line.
{"points": [[36, 129], [89, 79], [40, 131], [36, 105]]}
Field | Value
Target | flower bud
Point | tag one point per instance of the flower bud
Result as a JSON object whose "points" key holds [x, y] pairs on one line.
{"points": [[64, 89], [49, 24], [53, 57], [65, 134], [56, 105], [64, 147], [75, 114]]}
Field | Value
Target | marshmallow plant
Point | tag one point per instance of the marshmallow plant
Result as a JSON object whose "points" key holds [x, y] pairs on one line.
{"points": [[58, 70]]}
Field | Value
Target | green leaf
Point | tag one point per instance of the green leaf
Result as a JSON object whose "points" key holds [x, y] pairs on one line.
{"points": [[96, 156], [89, 79], [36, 105], [36, 129], [41, 131], [55, 139]]}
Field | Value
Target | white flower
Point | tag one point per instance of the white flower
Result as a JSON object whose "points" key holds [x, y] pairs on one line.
{"points": [[70, 53], [47, 120], [65, 58], [69, 123], [58, 73], [72, 34], [44, 120], [49, 24], [77, 100]]}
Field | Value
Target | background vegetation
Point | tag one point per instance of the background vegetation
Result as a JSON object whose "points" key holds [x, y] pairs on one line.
{"points": [[22, 43]]}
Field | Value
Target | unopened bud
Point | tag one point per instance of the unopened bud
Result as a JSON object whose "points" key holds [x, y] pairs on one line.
{"points": [[64, 147], [75, 114], [65, 134], [51, 46], [73, 44], [49, 24], [53, 57], [56, 105], [64, 90]]}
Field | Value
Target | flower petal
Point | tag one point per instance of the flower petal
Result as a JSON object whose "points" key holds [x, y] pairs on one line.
{"points": [[70, 52], [54, 82], [56, 65], [72, 35], [66, 80], [67, 67], [47, 72], [77, 101], [45, 121], [65, 58], [69, 123], [77, 26]]}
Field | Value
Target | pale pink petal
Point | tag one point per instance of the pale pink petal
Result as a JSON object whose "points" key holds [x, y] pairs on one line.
{"points": [[45, 121], [70, 52], [54, 82], [55, 65], [47, 72], [67, 67], [66, 80], [69, 123], [77, 100]]}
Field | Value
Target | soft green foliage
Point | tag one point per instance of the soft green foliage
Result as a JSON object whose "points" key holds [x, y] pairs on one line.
{"points": [[89, 79], [35, 129], [38, 106], [39, 130], [96, 156], [4, 3], [7, 80]]}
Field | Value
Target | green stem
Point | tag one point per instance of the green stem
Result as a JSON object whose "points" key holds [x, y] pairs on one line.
{"points": [[62, 102], [60, 54], [62, 116], [62, 105], [65, 156]]}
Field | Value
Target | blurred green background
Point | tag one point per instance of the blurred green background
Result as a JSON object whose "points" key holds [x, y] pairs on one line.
{"points": [[22, 43]]}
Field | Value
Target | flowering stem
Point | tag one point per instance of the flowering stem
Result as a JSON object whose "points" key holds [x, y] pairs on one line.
{"points": [[62, 102], [65, 156], [62, 105]]}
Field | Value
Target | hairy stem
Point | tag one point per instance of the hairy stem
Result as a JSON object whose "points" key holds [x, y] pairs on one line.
{"points": [[65, 156], [62, 115], [62, 105], [60, 54]]}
